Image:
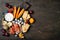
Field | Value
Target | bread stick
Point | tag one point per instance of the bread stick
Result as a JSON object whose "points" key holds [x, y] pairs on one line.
{"points": [[17, 12], [14, 12], [21, 12]]}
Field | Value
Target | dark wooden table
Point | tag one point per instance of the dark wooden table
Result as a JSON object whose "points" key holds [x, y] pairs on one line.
{"points": [[47, 16]]}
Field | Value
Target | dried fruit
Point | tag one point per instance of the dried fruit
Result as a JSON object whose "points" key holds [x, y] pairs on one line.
{"points": [[30, 11], [8, 5], [10, 10], [3, 31], [31, 20]]}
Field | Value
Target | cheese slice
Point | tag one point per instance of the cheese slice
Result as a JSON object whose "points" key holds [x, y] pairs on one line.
{"points": [[25, 28]]}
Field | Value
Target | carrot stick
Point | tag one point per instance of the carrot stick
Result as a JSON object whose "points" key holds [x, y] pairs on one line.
{"points": [[17, 12], [14, 12], [21, 12]]}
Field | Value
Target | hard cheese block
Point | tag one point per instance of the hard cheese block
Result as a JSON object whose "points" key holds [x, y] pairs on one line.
{"points": [[26, 16], [25, 28]]}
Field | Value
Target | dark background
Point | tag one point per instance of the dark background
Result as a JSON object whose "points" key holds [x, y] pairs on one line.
{"points": [[47, 16]]}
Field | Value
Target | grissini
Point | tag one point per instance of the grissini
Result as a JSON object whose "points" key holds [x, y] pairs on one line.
{"points": [[17, 12], [21, 12], [14, 12]]}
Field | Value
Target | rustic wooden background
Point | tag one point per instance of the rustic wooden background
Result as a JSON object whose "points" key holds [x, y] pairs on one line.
{"points": [[47, 16]]}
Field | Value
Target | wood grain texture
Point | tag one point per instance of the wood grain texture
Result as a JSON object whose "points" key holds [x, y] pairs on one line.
{"points": [[47, 16]]}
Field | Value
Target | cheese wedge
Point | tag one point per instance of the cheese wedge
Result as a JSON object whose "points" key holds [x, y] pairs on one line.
{"points": [[24, 16], [25, 28], [28, 16]]}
